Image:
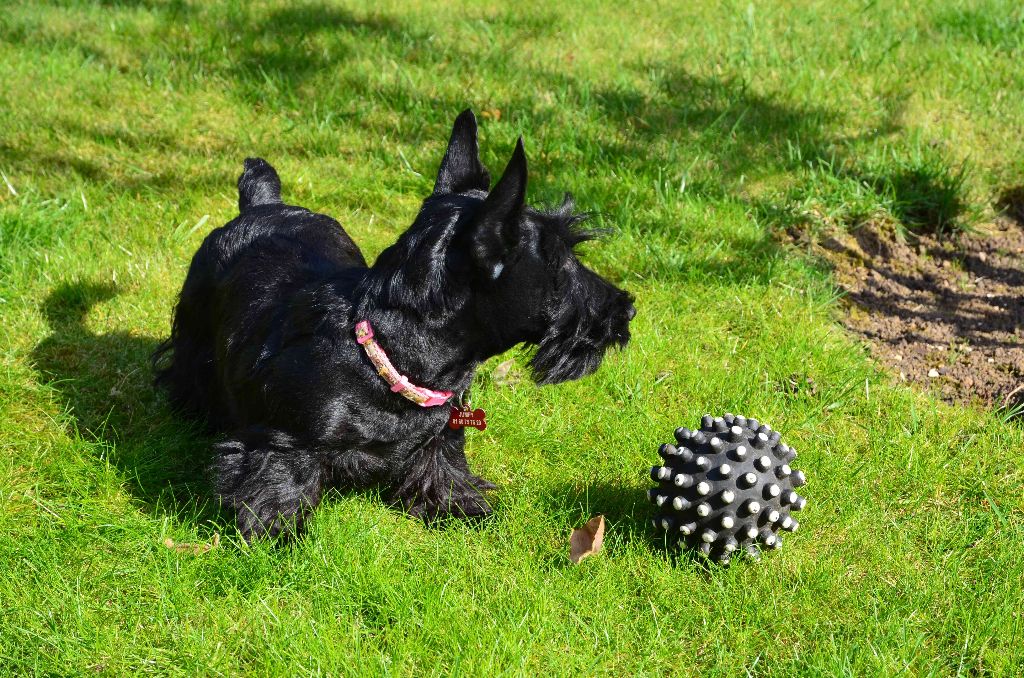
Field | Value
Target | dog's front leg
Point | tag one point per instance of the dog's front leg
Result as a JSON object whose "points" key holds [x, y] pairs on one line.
{"points": [[436, 481], [270, 479]]}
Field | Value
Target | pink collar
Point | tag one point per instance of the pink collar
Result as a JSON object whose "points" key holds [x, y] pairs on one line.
{"points": [[424, 397]]}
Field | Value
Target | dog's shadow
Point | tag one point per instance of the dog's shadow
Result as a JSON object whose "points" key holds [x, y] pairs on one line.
{"points": [[627, 516], [105, 387]]}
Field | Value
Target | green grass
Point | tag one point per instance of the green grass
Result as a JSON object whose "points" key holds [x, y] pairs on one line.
{"points": [[690, 129], [913, 186]]}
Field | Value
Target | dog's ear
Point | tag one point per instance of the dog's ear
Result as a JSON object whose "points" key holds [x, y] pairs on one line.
{"points": [[461, 169], [496, 229]]}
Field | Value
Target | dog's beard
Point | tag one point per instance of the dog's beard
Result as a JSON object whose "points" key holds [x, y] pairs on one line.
{"points": [[577, 338]]}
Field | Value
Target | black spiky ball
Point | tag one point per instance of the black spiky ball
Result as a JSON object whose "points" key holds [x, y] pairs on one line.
{"points": [[726, 488]]}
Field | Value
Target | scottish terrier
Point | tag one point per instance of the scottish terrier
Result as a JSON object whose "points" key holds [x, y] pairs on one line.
{"points": [[325, 372]]}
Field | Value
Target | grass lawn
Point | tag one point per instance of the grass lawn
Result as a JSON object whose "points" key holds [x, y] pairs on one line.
{"points": [[697, 130]]}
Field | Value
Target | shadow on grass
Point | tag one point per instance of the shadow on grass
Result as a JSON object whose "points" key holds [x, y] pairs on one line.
{"points": [[1011, 203], [105, 383], [739, 130], [923, 199], [293, 63], [627, 516], [1002, 31], [294, 58], [926, 192]]}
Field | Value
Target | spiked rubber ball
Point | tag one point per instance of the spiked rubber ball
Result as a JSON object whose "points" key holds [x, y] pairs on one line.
{"points": [[727, 488]]}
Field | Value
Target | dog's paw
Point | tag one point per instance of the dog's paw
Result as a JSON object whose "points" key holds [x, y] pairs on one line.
{"points": [[471, 505], [255, 521], [467, 504], [482, 485], [271, 484]]}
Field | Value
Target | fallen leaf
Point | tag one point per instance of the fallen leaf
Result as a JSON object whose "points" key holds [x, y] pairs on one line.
{"points": [[500, 376], [587, 540], [183, 547], [493, 114]]}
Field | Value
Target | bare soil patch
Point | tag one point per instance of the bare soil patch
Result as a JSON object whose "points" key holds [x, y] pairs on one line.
{"points": [[944, 313]]}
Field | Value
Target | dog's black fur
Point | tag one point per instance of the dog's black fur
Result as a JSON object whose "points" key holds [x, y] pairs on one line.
{"points": [[263, 344]]}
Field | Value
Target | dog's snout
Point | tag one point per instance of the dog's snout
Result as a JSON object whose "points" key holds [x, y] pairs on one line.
{"points": [[630, 312]]}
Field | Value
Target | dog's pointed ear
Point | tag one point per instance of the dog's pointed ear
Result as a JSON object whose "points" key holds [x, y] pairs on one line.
{"points": [[496, 230], [461, 169]]}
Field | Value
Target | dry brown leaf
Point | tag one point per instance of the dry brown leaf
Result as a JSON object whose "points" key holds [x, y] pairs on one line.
{"points": [[587, 540], [194, 548], [491, 114]]}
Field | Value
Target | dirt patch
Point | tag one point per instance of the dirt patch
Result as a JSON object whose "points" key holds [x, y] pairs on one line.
{"points": [[947, 314]]}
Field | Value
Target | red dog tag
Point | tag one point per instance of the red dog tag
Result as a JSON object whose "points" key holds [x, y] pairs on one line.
{"points": [[460, 418]]}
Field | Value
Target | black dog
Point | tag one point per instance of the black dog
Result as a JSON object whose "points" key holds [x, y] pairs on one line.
{"points": [[264, 345]]}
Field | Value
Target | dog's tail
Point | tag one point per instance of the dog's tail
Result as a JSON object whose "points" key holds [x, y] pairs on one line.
{"points": [[258, 185]]}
